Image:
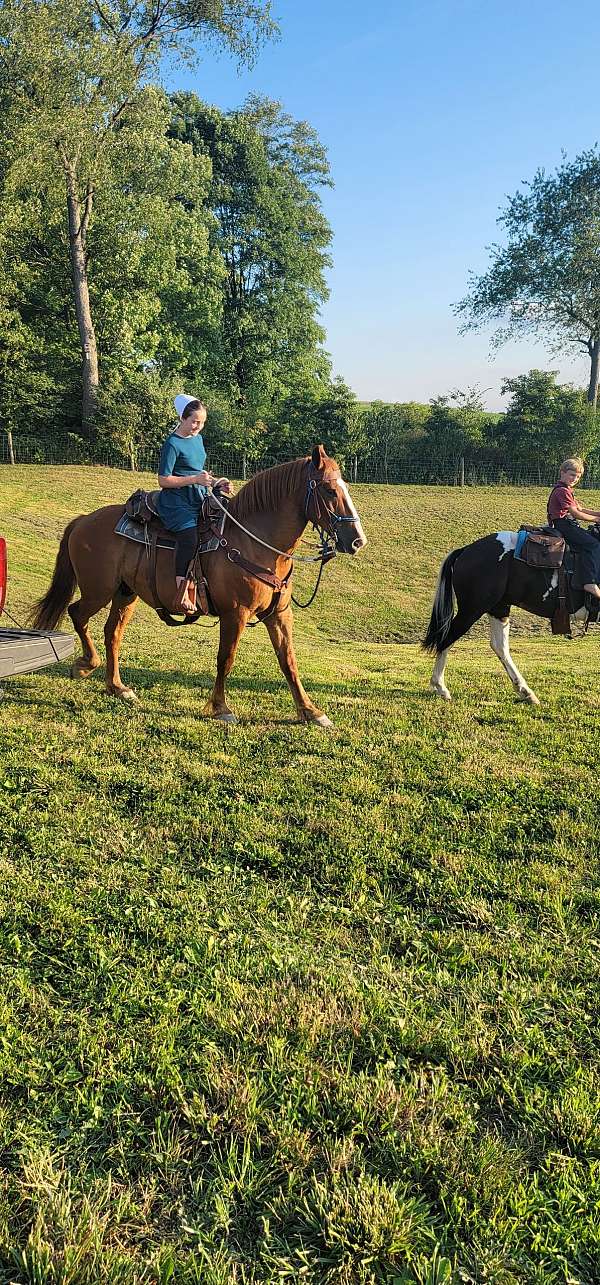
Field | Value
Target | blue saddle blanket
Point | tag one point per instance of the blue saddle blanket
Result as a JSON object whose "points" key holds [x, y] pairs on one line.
{"points": [[521, 538]]}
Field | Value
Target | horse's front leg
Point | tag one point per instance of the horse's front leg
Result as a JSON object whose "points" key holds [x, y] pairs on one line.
{"points": [[232, 628], [280, 628]]}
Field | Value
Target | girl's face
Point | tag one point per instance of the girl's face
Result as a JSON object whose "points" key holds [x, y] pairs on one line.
{"points": [[571, 476], [194, 423]]}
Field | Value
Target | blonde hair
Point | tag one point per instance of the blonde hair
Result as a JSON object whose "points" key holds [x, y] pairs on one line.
{"points": [[574, 462]]}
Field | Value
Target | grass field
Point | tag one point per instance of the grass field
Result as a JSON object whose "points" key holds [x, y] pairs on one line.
{"points": [[278, 1005]]}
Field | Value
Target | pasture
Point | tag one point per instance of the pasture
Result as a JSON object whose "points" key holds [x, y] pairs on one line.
{"points": [[281, 1005]]}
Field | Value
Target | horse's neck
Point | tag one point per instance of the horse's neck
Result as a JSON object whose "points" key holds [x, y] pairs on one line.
{"points": [[281, 522], [282, 529]]}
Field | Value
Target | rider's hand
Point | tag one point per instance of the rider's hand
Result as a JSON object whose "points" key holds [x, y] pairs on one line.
{"points": [[203, 479], [224, 485]]}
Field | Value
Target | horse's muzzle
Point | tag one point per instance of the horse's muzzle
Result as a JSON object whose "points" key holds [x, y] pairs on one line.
{"points": [[350, 538]]}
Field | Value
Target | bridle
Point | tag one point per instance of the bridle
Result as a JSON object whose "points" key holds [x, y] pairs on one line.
{"points": [[324, 520]]}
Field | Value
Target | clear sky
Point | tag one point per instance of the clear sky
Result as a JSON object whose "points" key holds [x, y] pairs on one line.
{"points": [[431, 114]]}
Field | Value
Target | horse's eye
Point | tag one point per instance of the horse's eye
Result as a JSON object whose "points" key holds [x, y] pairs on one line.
{"points": [[331, 492]]}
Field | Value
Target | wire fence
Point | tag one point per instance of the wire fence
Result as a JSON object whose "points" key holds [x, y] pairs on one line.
{"points": [[432, 469]]}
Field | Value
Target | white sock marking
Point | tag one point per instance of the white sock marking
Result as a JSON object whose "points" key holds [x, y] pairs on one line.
{"points": [[553, 584]]}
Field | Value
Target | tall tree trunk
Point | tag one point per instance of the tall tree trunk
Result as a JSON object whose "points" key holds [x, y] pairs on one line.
{"points": [[594, 351], [78, 224]]}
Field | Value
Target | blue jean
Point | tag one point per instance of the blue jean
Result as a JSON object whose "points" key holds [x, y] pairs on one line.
{"points": [[585, 545]]}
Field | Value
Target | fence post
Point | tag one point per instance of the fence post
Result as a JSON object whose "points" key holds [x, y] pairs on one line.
{"points": [[11, 453], [461, 471]]}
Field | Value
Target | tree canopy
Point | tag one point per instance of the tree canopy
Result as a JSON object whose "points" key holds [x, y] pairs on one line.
{"points": [[272, 238], [545, 278], [74, 78]]}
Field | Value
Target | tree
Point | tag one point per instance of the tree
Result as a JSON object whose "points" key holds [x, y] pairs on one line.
{"points": [[72, 75], [545, 421], [272, 237], [457, 421], [332, 416], [546, 278], [393, 431]]}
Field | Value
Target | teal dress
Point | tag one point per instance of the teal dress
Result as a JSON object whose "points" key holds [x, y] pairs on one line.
{"points": [[180, 457]]}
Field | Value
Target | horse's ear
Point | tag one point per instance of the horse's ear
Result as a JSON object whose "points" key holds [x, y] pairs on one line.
{"points": [[319, 456]]}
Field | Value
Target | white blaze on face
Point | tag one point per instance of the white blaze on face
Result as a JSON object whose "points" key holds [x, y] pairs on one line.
{"points": [[508, 540], [361, 538]]}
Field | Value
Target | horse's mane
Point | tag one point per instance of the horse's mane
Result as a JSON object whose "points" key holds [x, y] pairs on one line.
{"points": [[265, 491]]}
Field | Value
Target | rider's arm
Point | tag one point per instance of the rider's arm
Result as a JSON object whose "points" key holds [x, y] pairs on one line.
{"points": [[583, 515], [169, 482]]}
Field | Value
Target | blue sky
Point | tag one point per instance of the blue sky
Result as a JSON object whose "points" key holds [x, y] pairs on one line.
{"points": [[431, 114]]}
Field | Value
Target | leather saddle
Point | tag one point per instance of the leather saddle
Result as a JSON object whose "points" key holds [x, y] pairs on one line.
{"points": [[142, 524], [540, 546]]}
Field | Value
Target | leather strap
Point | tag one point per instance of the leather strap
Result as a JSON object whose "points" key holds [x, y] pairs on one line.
{"points": [[561, 620], [259, 573]]}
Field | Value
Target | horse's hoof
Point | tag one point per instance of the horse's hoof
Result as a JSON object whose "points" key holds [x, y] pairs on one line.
{"points": [[528, 698], [442, 692], [315, 720], [323, 721], [227, 716], [125, 694], [81, 671]]}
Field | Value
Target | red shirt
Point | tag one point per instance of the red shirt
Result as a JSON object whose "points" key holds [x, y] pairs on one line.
{"points": [[560, 500]]}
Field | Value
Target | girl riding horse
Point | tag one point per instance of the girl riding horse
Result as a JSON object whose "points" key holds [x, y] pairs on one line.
{"points": [[183, 481]]}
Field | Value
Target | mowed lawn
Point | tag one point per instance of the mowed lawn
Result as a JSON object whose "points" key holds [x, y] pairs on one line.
{"points": [[280, 1005]]}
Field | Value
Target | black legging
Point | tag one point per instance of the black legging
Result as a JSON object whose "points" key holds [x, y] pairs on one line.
{"points": [[585, 545], [186, 548]]}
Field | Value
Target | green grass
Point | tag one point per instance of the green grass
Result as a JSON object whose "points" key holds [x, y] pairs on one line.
{"points": [[277, 1005]]}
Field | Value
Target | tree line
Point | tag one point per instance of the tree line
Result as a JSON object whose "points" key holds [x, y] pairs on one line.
{"points": [[150, 243]]}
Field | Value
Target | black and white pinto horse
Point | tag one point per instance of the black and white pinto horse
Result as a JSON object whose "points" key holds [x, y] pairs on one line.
{"points": [[486, 578]]}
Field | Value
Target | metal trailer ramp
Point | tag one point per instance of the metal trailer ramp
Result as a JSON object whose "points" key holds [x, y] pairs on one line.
{"points": [[23, 650]]}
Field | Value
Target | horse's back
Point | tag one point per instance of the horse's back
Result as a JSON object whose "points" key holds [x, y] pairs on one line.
{"points": [[94, 548]]}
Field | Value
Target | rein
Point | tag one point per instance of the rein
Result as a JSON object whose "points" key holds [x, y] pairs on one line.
{"points": [[292, 557], [325, 522]]}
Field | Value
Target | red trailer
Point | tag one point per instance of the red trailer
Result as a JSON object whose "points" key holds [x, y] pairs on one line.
{"points": [[23, 650]]}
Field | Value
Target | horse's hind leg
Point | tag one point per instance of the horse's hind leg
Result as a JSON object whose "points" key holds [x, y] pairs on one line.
{"points": [[121, 611], [81, 613], [280, 633], [437, 677], [499, 634], [463, 621]]}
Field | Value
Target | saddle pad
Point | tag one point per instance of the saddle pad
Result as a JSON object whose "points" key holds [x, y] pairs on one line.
{"points": [[140, 532], [136, 531], [521, 538]]}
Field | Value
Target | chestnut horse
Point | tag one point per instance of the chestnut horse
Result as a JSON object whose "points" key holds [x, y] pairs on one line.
{"points": [[274, 506]]}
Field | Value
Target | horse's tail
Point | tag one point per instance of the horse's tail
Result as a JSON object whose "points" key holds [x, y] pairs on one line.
{"points": [[442, 613], [49, 610]]}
